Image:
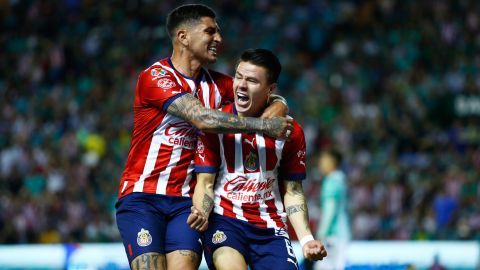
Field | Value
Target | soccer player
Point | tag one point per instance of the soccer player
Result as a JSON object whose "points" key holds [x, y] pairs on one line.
{"points": [[175, 98], [240, 176], [334, 226]]}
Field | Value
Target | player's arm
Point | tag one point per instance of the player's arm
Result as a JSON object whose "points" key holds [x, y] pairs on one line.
{"points": [[202, 202], [191, 109], [277, 106], [297, 212]]}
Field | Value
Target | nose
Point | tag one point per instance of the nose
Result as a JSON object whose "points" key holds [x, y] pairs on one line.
{"points": [[218, 37], [242, 83]]}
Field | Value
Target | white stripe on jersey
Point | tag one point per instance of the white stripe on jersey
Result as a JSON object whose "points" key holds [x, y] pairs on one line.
{"points": [[206, 94], [262, 152], [165, 175], [278, 151], [150, 162], [186, 184], [238, 153], [218, 97]]}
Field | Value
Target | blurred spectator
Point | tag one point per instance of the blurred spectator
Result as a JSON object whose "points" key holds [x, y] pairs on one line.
{"points": [[393, 84]]}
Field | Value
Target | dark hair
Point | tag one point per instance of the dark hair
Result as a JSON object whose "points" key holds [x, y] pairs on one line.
{"points": [[186, 14], [335, 154], [263, 58]]}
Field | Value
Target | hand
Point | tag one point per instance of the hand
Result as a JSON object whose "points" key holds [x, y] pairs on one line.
{"points": [[276, 109], [197, 220], [314, 250], [278, 127]]}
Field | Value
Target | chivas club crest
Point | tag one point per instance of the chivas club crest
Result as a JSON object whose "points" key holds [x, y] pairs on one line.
{"points": [[144, 238], [219, 237], [251, 162]]}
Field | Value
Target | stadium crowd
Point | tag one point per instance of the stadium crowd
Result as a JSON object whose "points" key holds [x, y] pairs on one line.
{"points": [[375, 79]]}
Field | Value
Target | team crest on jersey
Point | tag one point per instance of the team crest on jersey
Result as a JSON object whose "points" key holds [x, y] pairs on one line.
{"points": [[165, 83], [144, 238], [158, 72], [251, 162], [219, 237]]}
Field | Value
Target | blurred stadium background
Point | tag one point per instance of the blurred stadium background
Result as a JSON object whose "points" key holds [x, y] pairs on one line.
{"points": [[394, 84]]}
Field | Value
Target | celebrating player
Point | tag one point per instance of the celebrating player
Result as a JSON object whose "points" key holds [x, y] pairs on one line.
{"points": [[174, 98], [248, 226]]}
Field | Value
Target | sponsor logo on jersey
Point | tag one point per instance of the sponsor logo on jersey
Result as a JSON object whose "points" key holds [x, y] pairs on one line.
{"points": [[251, 162], [165, 83], [158, 72], [181, 133], [144, 238], [219, 237], [241, 188]]}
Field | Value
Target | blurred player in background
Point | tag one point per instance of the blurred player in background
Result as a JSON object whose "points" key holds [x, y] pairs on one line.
{"points": [[248, 226], [175, 98], [334, 227]]}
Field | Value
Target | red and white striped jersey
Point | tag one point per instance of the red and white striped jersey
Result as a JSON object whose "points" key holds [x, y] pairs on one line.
{"points": [[161, 156], [250, 168]]}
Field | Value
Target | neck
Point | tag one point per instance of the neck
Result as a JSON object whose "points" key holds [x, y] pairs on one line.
{"points": [[249, 113], [185, 63]]}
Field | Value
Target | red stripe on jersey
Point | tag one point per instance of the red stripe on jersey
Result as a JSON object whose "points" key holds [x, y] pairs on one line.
{"points": [[250, 153], [227, 207], [229, 151], [179, 174], [192, 184], [272, 211], [271, 156], [252, 213], [150, 183]]}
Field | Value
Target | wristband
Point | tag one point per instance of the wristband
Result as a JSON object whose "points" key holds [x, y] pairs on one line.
{"points": [[306, 239]]}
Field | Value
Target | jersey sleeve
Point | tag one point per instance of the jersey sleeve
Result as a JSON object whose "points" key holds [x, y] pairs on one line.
{"points": [[225, 86], [159, 88], [292, 164], [207, 157]]}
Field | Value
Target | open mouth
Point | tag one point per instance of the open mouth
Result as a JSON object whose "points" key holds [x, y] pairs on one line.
{"points": [[242, 99], [213, 50]]}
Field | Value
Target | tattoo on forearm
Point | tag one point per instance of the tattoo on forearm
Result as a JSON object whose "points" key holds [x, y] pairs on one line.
{"points": [[149, 261], [190, 109], [296, 208], [207, 203], [296, 189], [188, 253]]}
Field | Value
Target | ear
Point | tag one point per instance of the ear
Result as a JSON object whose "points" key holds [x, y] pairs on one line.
{"points": [[182, 36], [272, 88]]}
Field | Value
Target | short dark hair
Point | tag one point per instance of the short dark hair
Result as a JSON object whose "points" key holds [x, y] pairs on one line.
{"points": [[335, 154], [266, 59], [185, 14]]}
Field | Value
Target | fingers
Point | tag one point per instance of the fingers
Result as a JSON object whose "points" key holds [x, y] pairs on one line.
{"points": [[314, 250], [197, 220]]}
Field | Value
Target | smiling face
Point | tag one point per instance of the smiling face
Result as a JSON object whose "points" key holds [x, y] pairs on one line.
{"points": [[251, 88], [202, 39]]}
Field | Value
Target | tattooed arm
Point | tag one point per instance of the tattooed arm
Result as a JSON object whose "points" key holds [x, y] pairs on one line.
{"points": [[202, 201], [296, 208], [297, 212], [277, 106], [191, 109]]}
